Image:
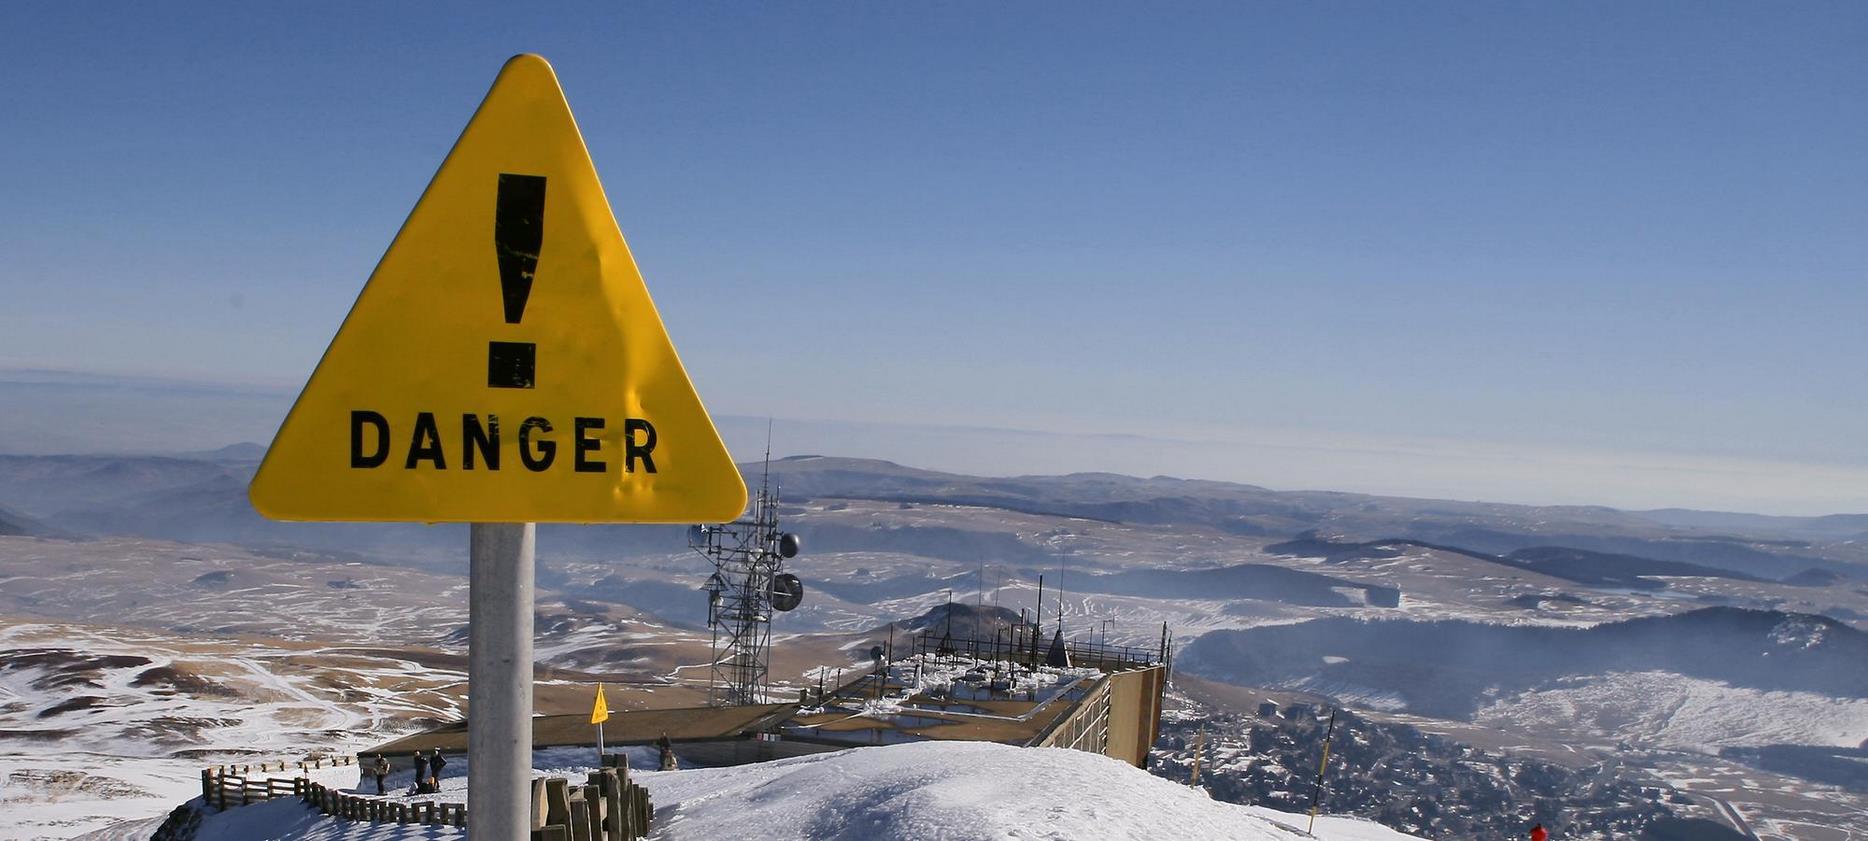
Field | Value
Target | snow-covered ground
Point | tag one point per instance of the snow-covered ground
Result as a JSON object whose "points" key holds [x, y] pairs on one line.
{"points": [[106, 724], [1665, 710], [955, 791]]}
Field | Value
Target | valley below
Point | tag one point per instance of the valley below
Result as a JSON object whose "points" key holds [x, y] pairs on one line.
{"points": [[1614, 672]]}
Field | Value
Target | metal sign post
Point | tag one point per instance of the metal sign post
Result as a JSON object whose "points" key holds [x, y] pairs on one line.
{"points": [[503, 366], [499, 679]]}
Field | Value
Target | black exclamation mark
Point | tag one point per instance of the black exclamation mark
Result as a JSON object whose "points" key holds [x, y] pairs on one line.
{"points": [[518, 232]]}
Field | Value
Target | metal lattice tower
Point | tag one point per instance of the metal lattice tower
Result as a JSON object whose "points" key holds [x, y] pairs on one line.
{"points": [[747, 585]]}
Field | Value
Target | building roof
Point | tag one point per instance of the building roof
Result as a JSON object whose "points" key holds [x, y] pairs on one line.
{"points": [[625, 727]]}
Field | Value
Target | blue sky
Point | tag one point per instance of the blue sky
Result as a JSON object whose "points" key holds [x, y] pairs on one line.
{"points": [[1623, 232]]}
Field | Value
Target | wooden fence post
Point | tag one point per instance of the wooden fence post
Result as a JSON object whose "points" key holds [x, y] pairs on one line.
{"points": [[580, 816]]}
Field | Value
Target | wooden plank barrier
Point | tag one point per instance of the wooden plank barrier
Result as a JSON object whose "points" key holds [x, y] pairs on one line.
{"points": [[339, 804], [610, 807]]}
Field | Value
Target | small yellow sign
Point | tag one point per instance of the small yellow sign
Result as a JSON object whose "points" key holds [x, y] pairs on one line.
{"points": [[504, 362], [600, 712]]}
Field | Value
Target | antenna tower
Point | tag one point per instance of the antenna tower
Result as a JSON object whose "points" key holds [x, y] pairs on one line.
{"points": [[748, 584]]}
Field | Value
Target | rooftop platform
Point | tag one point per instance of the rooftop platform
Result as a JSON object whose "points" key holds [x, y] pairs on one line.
{"points": [[944, 697], [625, 728], [1014, 688]]}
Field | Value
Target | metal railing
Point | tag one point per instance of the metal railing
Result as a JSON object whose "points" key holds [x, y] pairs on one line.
{"points": [[1027, 643]]}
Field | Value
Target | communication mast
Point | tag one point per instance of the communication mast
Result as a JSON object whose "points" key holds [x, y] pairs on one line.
{"points": [[748, 584]]}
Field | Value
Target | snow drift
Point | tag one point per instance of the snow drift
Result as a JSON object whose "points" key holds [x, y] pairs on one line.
{"points": [[960, 791], [954, 791]]}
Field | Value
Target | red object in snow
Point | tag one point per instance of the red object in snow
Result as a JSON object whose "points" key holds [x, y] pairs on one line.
{"points": [[1538, 833]]}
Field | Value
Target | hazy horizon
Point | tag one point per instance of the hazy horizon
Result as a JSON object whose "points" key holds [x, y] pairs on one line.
{"points": [[115, 415]]}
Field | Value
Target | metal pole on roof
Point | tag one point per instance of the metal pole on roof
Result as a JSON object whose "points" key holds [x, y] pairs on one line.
{"points": [[1060, 595], [949, 612], [1037, 619]]}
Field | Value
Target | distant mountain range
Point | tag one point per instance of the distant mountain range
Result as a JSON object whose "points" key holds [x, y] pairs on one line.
{"points": [[1239, 581], [13, 523], [1595, 569], [1449, 668], [202, 498], [1604, 537]]}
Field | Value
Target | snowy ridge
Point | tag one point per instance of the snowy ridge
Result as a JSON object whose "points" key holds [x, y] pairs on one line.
{"points": [[960, 791]]}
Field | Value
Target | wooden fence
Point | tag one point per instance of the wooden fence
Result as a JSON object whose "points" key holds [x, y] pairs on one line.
{"points": [[238, 785], [239, 791], [224, 786], [354, 807], [610, 807]]}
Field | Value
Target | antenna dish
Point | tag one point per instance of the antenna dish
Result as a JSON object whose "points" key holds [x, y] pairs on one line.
{"points": [[788, 545], [787, 591]]}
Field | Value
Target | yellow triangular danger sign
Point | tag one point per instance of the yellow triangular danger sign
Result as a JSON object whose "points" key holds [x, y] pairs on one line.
{"points": [[600, 712], [504, 363]]}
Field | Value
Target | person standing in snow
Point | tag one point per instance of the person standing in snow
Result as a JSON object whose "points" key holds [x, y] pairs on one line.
{"points": [[435, 764], [1538, 833], [668, 752], [381, 771], [421, 771]]}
